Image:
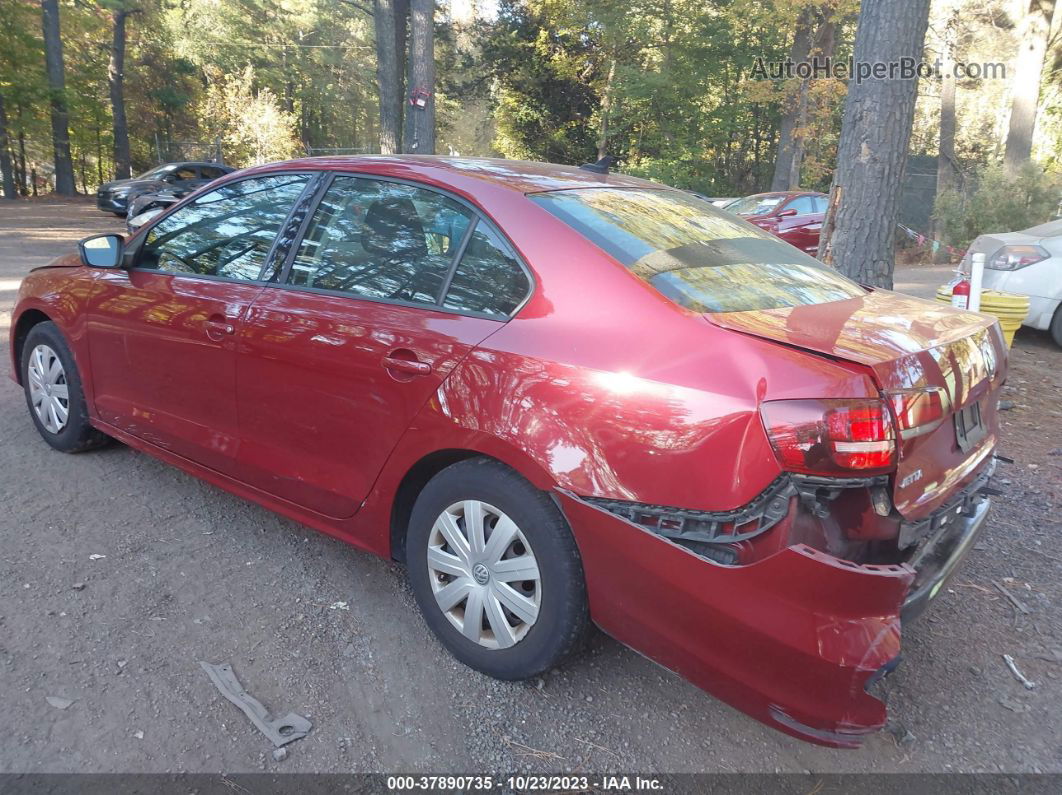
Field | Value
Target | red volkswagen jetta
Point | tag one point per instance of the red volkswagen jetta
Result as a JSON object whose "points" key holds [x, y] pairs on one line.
{"points": [[794, 216], [558, 396]]}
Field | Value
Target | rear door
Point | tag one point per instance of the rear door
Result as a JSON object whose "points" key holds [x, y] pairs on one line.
{"points": [[370, 315], [162, 333]]}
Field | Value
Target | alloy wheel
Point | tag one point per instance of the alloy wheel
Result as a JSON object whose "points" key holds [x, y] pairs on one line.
{"points": [[483, 574], [49, 393]]}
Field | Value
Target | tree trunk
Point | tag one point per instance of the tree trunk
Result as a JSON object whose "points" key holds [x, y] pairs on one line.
{"points": [[872, 151], [1033, 34], [947, 170], [387, 76], [422, 48], [5, 156], [795, 105], [53, 61], [23, 178], [116, 79], [606, 109]]}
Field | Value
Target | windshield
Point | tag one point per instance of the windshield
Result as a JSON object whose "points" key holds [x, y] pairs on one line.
{"points": [[155, 173], [755, 205], [695, 254]]}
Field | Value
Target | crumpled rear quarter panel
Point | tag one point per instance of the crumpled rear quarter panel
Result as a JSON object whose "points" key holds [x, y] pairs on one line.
{"points": [[790, 640]]}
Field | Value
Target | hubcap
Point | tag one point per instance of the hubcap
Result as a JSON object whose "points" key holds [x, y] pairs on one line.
{"points": [[49, 393], [484, 574]]}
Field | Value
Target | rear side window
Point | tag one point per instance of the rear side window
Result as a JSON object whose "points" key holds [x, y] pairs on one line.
{"points": [[390, 241], [381, 240], [211, 172], [696, 255], [488, 279]]}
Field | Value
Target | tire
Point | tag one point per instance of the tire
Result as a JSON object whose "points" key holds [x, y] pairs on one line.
{"points": [[1056, 326], [561, 619], [43, 347]]}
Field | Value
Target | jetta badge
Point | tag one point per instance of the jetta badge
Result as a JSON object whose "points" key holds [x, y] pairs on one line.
{"points": [[914, 477]]}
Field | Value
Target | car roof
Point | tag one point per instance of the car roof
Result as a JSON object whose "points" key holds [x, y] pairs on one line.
{"points": [[178, 163], [522, 175]]}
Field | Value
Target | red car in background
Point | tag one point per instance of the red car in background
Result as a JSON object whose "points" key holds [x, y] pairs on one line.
{"points": [[559, 397], [794, 216]]}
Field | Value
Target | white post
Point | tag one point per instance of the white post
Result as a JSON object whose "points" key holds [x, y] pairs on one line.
{"points": [[977, 275]]}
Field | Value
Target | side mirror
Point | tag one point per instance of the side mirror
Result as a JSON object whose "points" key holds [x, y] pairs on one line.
{"points": [[171, 178], [101, 251], [787, 213]]}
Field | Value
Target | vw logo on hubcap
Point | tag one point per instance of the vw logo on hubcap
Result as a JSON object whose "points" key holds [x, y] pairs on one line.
{"points": [[481, 573]]}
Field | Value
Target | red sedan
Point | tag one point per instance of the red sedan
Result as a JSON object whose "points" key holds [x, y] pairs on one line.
{"points": [[794, 216], [561, 397]]}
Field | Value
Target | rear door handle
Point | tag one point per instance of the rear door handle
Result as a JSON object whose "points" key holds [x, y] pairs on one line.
{"points": [[406, 365]]}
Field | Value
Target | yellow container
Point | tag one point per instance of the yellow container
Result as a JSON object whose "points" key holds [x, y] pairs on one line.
{"points": [[1009, 309]]}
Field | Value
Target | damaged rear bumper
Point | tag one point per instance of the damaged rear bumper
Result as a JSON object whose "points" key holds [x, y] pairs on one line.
{"points": [[942, 553], [793, 640]]}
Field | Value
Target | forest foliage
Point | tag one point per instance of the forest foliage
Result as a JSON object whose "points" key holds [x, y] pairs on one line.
{"points": [[667, 86]]}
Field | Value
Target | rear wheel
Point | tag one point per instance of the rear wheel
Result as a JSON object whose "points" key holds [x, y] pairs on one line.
{"points": [[53, 392], [495, 570]]}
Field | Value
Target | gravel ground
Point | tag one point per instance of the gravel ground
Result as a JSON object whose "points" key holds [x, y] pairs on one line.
{"points": [[191, 573]]}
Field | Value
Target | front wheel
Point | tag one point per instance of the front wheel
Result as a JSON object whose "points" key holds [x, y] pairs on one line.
{"points": [[1056, 326], [495, 570], [53, 392]]}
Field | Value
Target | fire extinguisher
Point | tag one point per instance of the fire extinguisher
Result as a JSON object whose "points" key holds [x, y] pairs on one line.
{"points": [[960, 291]]}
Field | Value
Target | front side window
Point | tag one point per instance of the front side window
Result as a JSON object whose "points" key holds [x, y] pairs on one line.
{"points": [[227, 232], [696, 255], [802, 204], [381, 240], [155, 173]]}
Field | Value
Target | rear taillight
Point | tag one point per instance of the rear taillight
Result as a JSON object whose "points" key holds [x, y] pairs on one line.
{"points": [[829, 436], [1012, 258], [918, 411]]}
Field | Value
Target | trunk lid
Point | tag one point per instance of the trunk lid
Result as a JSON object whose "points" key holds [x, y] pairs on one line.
{"points": [[906, 343]]}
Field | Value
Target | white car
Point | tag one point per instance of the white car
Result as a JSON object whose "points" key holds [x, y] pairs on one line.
{"points": [[1026, 263]]}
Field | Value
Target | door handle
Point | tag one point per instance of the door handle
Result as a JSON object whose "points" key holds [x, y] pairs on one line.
{"points": [[217, 327], [410, 366]]}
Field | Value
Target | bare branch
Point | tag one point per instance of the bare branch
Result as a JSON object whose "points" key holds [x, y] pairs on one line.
{"points": [[360, 6]]}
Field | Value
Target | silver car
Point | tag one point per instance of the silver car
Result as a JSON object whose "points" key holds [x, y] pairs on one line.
{"points": [[1026, 263]]}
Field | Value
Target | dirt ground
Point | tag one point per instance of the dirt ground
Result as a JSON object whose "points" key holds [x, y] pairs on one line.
{"points": [[191, 573]]}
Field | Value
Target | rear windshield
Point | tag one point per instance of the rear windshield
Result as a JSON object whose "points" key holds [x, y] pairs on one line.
{"points": [[695, 254]]}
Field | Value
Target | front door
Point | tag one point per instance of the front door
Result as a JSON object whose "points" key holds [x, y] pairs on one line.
{"points": [[802, 230], [162, 333], [338, 358]]}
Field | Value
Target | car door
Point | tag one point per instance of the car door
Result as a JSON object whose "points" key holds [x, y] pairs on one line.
{"points": [[802, 228], [161, 332], [337, 357]]}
